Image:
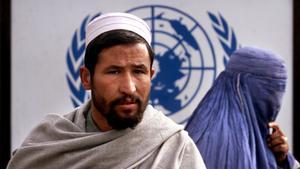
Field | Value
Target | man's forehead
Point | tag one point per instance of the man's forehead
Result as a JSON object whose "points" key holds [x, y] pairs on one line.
{"points": [[122, 59], [125, 51], [134, 62]]}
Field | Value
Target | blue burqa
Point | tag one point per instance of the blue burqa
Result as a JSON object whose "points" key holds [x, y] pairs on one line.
{"points": [[230, 125]]}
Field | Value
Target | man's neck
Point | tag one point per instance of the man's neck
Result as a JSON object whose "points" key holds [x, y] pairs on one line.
{"points": [[100, 120]]}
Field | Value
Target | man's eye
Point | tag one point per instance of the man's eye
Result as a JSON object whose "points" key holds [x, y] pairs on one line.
{"points": [[113, 72], [139, 71]]}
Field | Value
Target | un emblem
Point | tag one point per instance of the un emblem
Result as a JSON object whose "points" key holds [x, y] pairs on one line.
{"points": [[184, 54], [185, 60]]}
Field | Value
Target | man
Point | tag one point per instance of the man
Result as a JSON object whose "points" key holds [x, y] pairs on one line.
{"points": [[117, 128]]}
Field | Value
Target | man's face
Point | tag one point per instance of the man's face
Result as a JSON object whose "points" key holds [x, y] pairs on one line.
{"points": [[121, 84]]}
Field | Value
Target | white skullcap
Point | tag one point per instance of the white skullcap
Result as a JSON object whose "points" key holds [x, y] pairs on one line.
{"points": [[117, 20]]}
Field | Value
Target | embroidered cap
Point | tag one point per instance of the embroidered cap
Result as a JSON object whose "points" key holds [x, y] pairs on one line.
{"points": [[114, 21]]}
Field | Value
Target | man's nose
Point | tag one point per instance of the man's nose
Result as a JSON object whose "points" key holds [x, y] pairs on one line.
{"points": [[127, 85]]}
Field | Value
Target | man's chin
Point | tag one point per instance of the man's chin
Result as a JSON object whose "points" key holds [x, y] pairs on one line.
{"points": [[127, 111], [126, 119], [125, 116], [126, 122]]}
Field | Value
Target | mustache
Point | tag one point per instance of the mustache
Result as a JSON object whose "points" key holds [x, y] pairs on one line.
{"points": [[126, 99]]}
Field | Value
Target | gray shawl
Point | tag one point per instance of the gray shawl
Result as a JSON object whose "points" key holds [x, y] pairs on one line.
{"points": [[61, 142]]}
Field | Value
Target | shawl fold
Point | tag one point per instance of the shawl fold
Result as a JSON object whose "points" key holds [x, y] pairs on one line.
{"points": [[61, 142]]}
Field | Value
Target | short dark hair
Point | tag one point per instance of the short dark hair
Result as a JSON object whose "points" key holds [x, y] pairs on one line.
{"points": [[109, 39]]}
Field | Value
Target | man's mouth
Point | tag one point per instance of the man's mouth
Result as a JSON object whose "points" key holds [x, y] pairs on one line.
{"points": [[127, 105]]}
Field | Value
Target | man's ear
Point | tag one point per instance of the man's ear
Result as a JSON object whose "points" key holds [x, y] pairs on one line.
{"points": [[85, 77], [152, 72]]}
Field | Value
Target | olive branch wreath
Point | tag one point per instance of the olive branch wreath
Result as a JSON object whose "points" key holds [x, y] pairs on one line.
{"points": [[75, 56], [225, 34]]}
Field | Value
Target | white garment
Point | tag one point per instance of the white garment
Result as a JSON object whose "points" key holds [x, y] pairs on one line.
{"points": [[61, 142]]}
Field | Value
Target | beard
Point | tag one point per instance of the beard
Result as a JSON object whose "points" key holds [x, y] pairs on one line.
{"points": [[113, 117]]}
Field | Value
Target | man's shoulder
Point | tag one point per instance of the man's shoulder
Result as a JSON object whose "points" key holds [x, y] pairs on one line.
{"points": [[183, 137], [162, 121], [182, 145], [155, 113], [157, 119]]}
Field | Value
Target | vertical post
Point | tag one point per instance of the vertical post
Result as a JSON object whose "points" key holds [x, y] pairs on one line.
{"points": [[5, 81], [296, 73]]}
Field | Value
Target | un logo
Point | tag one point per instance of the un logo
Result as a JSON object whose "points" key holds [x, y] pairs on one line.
{"points": [[184, 55], [185, 60]]}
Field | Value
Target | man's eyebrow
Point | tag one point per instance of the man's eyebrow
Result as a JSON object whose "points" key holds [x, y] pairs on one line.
{"points": [[136, 66], [142, 66], [112, 67]]}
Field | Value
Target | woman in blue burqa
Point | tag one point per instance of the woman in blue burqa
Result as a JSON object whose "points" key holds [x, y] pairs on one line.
{"points": [[230, 126]]}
